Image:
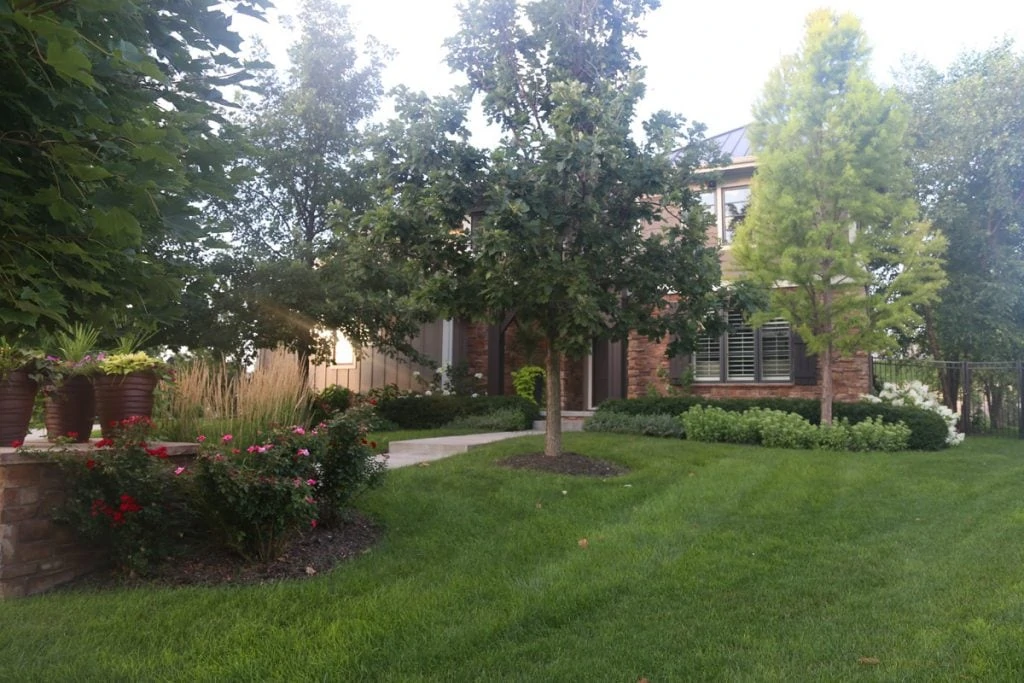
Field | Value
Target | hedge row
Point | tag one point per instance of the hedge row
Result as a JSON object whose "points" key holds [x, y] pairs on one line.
{"points": [[928, 430], [430, 412]]}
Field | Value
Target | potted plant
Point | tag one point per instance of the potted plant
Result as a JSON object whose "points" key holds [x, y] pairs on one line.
{"points": [[70, 404], [125, 387], [18, 384]]}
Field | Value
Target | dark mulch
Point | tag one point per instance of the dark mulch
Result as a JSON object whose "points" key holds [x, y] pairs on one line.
{"points": [[566, 463], [311, 553]]}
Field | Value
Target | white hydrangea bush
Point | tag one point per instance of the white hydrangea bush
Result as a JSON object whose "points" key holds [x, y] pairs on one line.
{"points": [[918, 395]]}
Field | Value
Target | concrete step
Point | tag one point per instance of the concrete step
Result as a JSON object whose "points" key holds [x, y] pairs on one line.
{"points": [[572, 420]]}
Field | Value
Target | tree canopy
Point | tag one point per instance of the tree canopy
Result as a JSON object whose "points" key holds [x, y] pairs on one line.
{"points": [[967, 134], [584, 229], [113, 135], [832, 226]]}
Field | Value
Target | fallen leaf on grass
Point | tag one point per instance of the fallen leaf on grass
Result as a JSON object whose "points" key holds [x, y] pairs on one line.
{"points": [[310, 571], [642, 680], [539, 506], [424, 464], [584, 543], [868, 661]]}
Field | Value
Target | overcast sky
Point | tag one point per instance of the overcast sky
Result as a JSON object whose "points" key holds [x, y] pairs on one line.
{"points": [[707, 61]]}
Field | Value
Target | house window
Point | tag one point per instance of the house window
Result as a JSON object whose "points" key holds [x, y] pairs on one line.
{"points": [[741, 350], [743, 354], [707, 361], [735, 200], [344, 354]]}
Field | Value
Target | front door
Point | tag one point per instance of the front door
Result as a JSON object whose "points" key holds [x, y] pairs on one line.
{"points": [[607, 371]]}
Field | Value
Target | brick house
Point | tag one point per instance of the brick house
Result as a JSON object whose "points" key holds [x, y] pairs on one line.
{"points": [[744, 362]]}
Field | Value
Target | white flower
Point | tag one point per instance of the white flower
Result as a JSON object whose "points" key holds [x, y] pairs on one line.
{"points": [[415, 373], [428, 393], [474, 395], [479, 375]]}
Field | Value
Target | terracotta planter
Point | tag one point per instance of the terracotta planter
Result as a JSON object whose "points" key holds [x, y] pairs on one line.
{"points": [[71, 410], [119, 397], [17, 394]]}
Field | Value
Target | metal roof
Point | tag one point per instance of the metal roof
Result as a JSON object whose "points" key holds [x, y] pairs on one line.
{"points": [[734, 143]]}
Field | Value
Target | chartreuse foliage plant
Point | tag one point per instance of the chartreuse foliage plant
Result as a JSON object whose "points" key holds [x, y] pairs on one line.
{"points": [[704, 562]]}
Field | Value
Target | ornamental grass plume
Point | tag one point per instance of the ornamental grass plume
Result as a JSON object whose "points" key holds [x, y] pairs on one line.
{"points": [[215, 397]]}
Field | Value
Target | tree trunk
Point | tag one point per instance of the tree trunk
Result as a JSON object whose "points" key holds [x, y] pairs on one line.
{"points": [[553, 430], [827, 391]]}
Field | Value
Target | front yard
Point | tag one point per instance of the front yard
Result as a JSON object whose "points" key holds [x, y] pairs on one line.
{"points": [[705, 562]]}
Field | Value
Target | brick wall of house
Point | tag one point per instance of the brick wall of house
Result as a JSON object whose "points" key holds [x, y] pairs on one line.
{"points": [[851, 377]]}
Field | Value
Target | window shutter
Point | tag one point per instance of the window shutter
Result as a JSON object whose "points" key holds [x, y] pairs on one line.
{"points": [[805, 366], [678, 366]]}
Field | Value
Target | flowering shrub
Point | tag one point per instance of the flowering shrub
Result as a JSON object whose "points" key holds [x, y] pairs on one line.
{"points": [[254, 496], [918, 395], [345, 464], [122, 494]]}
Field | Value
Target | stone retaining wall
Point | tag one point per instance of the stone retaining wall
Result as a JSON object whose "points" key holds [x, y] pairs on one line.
{"points": [[37, 554]]}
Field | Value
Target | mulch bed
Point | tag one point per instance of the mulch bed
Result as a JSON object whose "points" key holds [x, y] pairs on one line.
{"points": [[574, 464], [313, 552]]}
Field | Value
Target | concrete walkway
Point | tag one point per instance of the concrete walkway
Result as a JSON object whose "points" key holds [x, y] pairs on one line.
{"points": [[415, 451]]}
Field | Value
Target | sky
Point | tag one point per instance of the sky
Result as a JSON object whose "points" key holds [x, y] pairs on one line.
{"points": [[705, 61]]}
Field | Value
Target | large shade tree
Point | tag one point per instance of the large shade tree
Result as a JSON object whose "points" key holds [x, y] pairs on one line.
{"points": [[967, 133], [833, 227], [306, 129], [585, 229], [112, 136]]}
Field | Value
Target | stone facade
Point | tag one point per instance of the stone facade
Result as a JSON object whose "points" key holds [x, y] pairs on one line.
{"points": [[36, 554]]}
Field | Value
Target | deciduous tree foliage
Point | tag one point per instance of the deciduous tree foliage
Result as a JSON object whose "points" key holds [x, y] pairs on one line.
{"points": [[570, 196], [111, 137], [306, 130], [832, 225], [967, 134]]}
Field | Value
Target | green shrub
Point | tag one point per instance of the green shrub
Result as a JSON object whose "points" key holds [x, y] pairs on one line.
{"points": [[430, 412], [715, 425], [873, 434], [333, 399], [501, 420], [623, 423], [345, 464], [928, 431], [777, 429]]}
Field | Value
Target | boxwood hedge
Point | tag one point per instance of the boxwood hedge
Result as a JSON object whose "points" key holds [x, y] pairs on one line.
{"points": [[429, 412]]}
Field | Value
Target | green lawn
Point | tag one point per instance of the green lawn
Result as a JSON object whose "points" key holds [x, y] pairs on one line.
{"points": [[706, 562]]}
